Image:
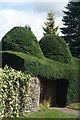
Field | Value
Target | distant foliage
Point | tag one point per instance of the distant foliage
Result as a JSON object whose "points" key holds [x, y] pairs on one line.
{"points": [[0, 46], [71, 29], [14, 89], [22, 39], [54, 47], [28, 27], [50, 24]]}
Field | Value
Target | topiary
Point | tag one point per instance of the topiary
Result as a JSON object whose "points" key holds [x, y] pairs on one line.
{"points": [[21, 39], [54, 47], [12, 60]]}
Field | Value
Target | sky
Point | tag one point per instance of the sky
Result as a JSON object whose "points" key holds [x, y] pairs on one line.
{"points": [[29, 12]]}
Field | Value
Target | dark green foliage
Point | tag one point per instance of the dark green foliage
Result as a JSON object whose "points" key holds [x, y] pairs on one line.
{"points": [[12, 60], [74, 88], [21, 39], [0, 46], [71, 30], [28, 27], [54, 47], [50, 24], [45, 68], [53, 70]]}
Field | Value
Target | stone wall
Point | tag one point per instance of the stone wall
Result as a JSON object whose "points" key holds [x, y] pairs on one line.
{"points": [[33, 97]]}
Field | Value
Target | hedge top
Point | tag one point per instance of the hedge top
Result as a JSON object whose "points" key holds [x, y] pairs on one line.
{"points": [[46, 68], [22, 39], [54, 47]]}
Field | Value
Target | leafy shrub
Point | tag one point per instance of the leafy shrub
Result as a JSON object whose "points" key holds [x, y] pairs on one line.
{"points": [[42, 107], [46, 104], [54, 47], [14, 90], [21, 39]]}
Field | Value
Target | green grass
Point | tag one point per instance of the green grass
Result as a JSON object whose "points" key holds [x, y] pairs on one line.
{"points": [[45, 114], [75, 106]]}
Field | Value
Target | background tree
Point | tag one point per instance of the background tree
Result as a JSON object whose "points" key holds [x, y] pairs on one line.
{"points": [[28, 27], [50, 24], [71, 30]]}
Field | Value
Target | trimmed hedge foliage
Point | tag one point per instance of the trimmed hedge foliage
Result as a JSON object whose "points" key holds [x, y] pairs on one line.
{"points": [[10, 59], [54, 47], [53, 70], [21, 39]]}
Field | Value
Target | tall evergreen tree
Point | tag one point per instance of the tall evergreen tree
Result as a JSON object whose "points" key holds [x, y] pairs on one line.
{"points": [[71, 30], [50, 24]]}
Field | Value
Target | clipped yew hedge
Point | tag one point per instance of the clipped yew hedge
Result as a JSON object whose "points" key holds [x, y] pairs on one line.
{"points": [[53, 70], [55, 48], [22, 39], [14, 87], [10, 59]]}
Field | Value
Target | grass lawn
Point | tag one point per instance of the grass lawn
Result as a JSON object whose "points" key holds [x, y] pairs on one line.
{"points": [[75, 106], [45, 114]]}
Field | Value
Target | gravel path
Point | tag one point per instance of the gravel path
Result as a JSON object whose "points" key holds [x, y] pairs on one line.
{"points": [[68, 110]]}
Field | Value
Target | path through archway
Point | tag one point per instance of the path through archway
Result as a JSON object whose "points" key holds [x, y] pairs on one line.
{"points": [[61, 92]]}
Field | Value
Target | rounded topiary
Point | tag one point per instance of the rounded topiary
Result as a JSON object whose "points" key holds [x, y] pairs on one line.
{"points": [[21, 39], [54, 47]]}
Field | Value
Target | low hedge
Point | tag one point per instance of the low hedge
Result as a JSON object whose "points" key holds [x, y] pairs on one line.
{"points": [[53, 70]]}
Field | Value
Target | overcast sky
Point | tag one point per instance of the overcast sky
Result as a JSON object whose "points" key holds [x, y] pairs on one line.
{"points": [[21, 12]]}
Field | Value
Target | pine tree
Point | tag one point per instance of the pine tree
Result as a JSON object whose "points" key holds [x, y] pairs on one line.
{"points": [[71, 30], [50, 23]]}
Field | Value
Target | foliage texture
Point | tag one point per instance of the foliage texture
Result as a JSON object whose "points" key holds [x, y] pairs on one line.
{"points": [[14, 90], [50, 24], [54, 47], [21, 39], [71, 29]]}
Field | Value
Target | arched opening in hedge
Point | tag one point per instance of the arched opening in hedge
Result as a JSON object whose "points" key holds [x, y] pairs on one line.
{"points": [[48, 91], [56, 90], [61, 92]]}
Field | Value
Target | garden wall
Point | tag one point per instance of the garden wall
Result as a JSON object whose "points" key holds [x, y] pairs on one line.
{"points": [[33, 96]]}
